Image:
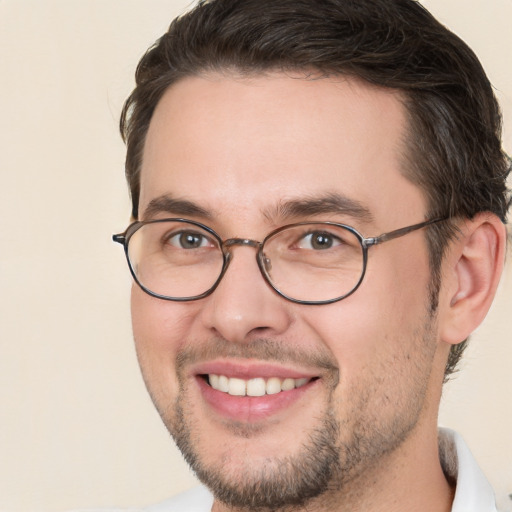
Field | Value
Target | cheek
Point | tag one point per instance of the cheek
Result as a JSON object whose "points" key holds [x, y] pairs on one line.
{"points": [[160, 329], [158, 324], [396, 287], [382, 317]]}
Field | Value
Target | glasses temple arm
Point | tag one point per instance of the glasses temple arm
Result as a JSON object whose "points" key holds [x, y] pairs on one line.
{"points": [[400, 232]]}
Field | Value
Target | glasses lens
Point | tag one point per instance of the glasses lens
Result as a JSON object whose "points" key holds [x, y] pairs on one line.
{"points": [[175, 259], [314, 262]]}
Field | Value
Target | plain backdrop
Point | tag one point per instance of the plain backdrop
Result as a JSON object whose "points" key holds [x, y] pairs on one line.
{"points": [[76, 427]]}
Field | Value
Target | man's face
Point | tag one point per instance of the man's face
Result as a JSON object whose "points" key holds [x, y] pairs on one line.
{"points": [[238, 151]]}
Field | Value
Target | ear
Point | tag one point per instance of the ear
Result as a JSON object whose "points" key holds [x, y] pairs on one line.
{"points": [[472, 270]]}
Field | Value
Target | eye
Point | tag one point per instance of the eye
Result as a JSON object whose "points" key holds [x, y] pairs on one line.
{"points": [[319, 240], [189, 240]]}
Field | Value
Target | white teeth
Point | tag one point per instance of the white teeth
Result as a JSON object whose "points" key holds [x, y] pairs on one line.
{"points": [[223, 384], [214, 381], [237, 387], [273, 386], [254, 387], [288, 384]]}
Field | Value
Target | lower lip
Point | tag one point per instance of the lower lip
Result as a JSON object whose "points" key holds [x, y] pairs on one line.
{"points": [[250, 409]]}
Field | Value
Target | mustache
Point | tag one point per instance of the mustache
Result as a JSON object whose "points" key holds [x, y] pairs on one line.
{"points": [[264, 349]]}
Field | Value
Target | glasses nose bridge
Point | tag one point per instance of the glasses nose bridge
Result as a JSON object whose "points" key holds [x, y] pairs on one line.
{"points": [[247, 242], [230, 242], [244, 242]]}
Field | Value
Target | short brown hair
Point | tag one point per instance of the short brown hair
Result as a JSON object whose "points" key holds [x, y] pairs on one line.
{"points": [[454, 146]]}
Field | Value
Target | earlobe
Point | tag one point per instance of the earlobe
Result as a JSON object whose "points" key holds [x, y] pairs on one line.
{"points": [[475, 262]]}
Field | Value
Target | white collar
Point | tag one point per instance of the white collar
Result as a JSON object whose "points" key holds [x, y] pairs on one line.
{"points": [[473, 492]]}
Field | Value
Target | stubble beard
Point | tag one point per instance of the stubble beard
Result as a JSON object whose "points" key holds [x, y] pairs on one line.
{"points": [[281, 483], [331, 457]]}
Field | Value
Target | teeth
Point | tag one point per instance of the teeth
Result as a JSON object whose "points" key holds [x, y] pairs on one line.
{"points": [[288, 384], [237, 387], [223, 384], [214, 381], [273, 386], [254, 387]]}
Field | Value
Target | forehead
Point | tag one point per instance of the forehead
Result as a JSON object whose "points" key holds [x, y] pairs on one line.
{"points": [[236, 146]]}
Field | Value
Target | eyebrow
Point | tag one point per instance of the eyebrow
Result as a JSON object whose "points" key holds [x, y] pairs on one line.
{"points": [[176, 207], [331, 203]]}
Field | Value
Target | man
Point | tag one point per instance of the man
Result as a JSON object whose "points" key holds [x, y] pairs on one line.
{"points": [[319, 203]]}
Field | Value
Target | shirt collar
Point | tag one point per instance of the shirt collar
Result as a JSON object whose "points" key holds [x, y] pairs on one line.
{"points": [[473, 493]]}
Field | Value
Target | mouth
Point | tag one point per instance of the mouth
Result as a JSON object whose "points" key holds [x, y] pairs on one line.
{"points": [[251, 393], [254, 387]]}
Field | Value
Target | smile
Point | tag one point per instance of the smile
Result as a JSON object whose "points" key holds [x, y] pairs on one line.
{"points": [[258, 386], [252, 392]]}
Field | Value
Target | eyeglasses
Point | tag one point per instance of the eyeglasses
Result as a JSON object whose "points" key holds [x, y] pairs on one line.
{"points": [[307, 262]]}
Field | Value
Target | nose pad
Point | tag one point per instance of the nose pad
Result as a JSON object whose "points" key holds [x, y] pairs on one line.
{"points": [[260, 257]]}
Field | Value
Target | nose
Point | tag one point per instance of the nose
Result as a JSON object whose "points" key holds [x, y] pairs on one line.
{"points": [[243, 305]]}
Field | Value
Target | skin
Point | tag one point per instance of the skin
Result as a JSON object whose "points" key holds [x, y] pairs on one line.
{"points": [[238, 148]]}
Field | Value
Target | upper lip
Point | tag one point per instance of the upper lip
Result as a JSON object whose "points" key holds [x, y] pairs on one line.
{"points": [[250, 370]]}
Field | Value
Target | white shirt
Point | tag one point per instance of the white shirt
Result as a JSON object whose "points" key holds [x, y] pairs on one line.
{"points": [[473, 492]]}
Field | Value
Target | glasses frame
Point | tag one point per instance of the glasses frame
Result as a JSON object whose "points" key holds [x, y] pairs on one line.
{"points": [[225, 245]]}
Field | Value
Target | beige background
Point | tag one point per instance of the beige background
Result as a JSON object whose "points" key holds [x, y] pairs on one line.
{"points": [[76, 426]]}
